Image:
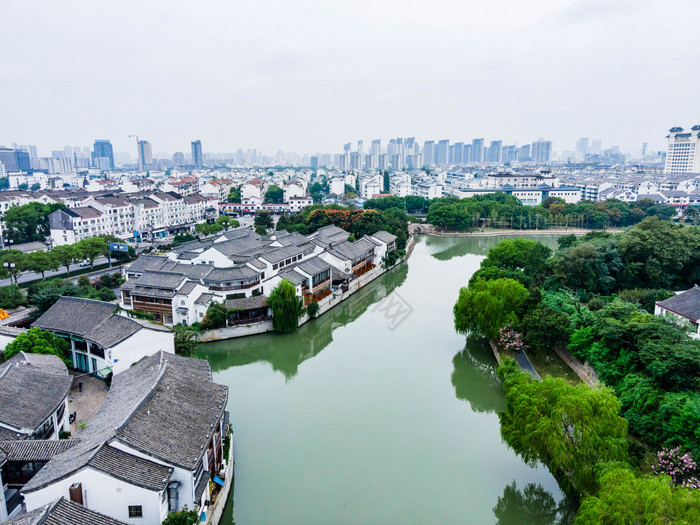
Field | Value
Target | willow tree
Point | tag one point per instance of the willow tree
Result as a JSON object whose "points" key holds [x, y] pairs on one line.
{"points": [[286, 307], [571, 429], [487, 306]]}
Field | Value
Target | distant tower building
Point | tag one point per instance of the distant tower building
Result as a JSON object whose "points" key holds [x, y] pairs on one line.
{"points": [[644, 150], [429, 153], [443, 152], [360, 146], [314, 162], [397, 162], [542, 151], [103, 155], [178, 159], [383, 161], [14, 160], [376, 147], [524, 153], [582, 147], [145, 155], [494, 151], [467, 154], [683, 154], [197, 154], [355, 161], [459, 153], [477, 150]]}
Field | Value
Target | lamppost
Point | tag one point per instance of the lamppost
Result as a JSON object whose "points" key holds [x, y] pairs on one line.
{"points": [[9, 266]]}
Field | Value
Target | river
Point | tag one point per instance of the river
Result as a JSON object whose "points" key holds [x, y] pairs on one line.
{"points": [[379, 412]]}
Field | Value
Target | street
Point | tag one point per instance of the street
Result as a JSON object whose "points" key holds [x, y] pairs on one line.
{"points": [[31, 276]]}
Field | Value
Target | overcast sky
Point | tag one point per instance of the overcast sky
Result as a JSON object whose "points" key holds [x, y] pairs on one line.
{"points": [[309, 75]]}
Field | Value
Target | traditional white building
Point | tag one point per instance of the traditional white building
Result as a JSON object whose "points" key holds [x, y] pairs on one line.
{"points": [[101, 340], [683, 308]]}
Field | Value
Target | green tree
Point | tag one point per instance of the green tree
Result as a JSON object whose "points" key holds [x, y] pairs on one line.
{"points": [[286, 307], [544, 328], [263, 219], [41, 262], [183, 517], [274, 194], [12, 296], [91, 248], [628, 498], [29, 222], [571, 429], [261, 230], [37, 341], [185, 341], [487, 306], [234, 195], [216, 317], [385, 179], [65, 255], [14, 262], [227, 222]]}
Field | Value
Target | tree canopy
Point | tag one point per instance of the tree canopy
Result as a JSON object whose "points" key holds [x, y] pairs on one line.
{"points": [[286, 307], [37, 341]]}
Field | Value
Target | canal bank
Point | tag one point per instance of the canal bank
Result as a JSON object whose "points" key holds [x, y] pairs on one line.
{"points": [[325, 304], [355, 420]]}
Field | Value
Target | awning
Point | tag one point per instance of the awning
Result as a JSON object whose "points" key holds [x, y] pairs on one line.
{"points": [[76, 338], [104, 372], [219, 481]]}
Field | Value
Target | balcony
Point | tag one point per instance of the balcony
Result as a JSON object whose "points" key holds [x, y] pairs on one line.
{"points": [[363, 269]]}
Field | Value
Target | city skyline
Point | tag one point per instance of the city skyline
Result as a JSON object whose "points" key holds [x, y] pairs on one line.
{"points": [[508, 71]]}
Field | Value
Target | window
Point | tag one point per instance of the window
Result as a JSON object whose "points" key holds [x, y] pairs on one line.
{"points": [[135, 511]]}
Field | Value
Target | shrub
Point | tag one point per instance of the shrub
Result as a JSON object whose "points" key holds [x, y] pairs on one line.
{"points": [[12, 296], [312, 309]]}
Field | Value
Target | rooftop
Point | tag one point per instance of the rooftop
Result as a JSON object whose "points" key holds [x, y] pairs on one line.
{"points": [[685, 303]]}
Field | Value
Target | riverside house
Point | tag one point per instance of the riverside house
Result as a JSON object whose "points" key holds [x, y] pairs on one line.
{"points": [[154, 446], [102, 340]]}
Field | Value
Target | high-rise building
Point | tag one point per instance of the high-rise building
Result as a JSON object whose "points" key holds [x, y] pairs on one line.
{"points": [[178, 159], [509, 154], [524, 153], [314, 162], [582, 147], [459, 153], [443, 152], [371, 162], [429, 152], [477, 150], [355, 161], [383, 161], [29, 148], [102, 149], [143, 149], [683, 154], [494, 151], [197, 154], [397, 162], [360, 146], [542, 151], [15, 160], [376, 147], [467, 154]]}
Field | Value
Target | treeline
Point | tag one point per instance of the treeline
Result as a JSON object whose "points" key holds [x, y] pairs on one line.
{"points": [[13, 263], [29, 222], [357, 222], [411, 203], [499, 210], [595, 298]]}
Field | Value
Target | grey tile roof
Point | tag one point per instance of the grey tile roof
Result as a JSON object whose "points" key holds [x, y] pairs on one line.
{"points": [[35, 449], [293, 276], [148, 292], [63, 512], [686, 304], [147, 262], [159, 279], [351, 250], [165, 406], [30, 394], [187, 256], [204, 298], [331, 230], [280, 254], [384, 236], [313, 266], [247, 303], [201, 485], [132, 469], [231, 274], [239, 245], [6, 434], [186, 288], [87, 318]]}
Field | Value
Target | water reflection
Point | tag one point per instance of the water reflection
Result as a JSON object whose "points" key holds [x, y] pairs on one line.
{"points": [[474, 376], [308, 341], [532, 506], [446, 248]]}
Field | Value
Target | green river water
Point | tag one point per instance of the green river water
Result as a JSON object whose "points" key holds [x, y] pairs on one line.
{"points": [[365, 416]]}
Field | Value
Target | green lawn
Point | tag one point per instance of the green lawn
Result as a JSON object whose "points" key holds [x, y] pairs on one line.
{"points": [[554, 367]]}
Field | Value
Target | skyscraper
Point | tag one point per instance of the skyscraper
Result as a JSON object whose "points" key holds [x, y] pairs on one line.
{"points": [[443, 151], [360, 146], [429, 152], [683, 154], [376, 147], [197, 154], [178, 159], [494, 151], [477, 150], [14, 160], [102, 149], [143, 150], [467, 155], [541, 151], [458, 153]]}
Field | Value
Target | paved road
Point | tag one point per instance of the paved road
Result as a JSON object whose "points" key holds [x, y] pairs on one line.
{"points": [[525, 364], [31, 276]]}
